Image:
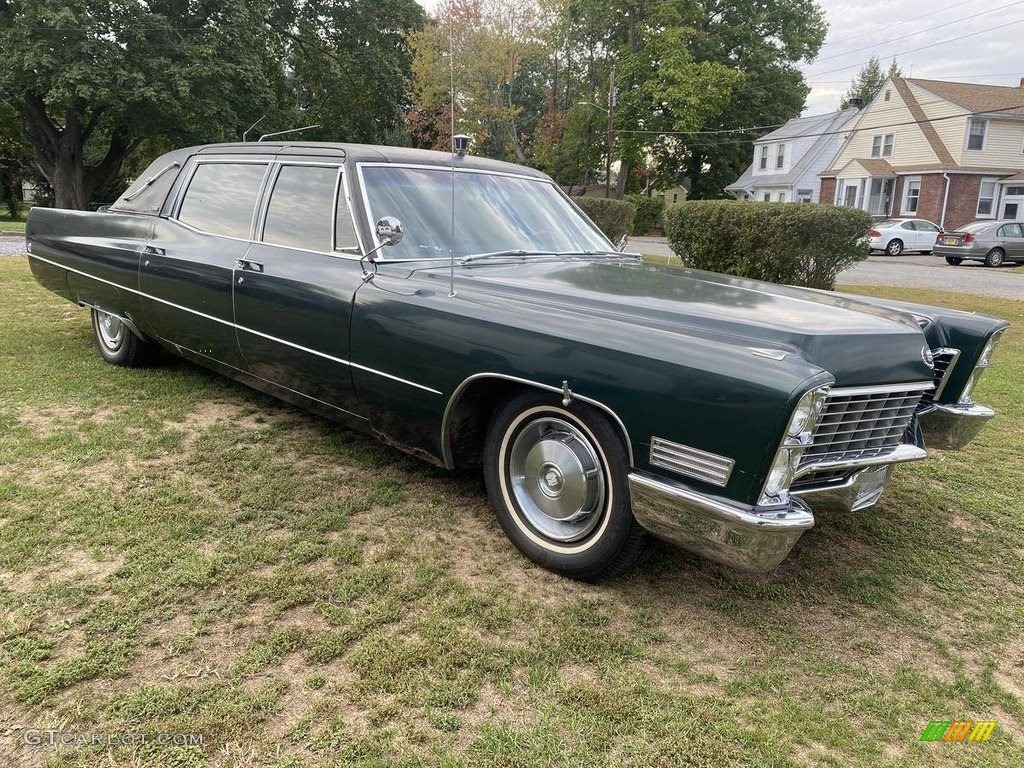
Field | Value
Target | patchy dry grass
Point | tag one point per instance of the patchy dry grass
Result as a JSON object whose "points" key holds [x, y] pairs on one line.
{"points": [[178, 553]]}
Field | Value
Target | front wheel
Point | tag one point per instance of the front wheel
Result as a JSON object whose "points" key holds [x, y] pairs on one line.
{"points": [[994, 258], [954, 261], [894, 248], [118, 344], [557, 479]]}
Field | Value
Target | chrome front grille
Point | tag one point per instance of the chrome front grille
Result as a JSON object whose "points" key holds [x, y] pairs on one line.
{"points": [[863, 423], [692, 462], [945, 359]]}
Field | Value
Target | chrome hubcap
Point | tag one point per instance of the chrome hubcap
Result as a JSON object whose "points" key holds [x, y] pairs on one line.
{"points": [[557, 479], [111, 331]]}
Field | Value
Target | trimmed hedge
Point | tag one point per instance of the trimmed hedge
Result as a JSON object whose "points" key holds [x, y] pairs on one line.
{"points": [[613, 217], [649, 214], [793, 243]]}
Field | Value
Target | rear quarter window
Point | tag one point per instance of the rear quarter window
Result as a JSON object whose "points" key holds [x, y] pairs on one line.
{"points": [[221, 198]]}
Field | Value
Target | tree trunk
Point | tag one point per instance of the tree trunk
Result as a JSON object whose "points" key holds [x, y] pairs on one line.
{"points": [[68, 177]]}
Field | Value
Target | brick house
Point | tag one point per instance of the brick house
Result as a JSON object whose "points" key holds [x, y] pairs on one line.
{"points": [[948, 152]]}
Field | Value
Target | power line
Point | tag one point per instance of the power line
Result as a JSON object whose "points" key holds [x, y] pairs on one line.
{"points": [[955, 77], [930, 15], [923, 47], [836, 132], [919, 32]]}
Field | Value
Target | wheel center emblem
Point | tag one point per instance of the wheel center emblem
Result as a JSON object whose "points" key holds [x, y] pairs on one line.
{"points": [[552, 481]]}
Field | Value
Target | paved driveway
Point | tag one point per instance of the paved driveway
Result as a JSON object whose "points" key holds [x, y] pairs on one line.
{"points": [[911, 271], [10, 246]]}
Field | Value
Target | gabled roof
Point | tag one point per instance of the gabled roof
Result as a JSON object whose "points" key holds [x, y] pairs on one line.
{"points": [[930, 134], [974, 97], [823, 127]]}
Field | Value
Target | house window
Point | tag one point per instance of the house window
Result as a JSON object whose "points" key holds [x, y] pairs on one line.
{"points": [[782, 197], [879, 196], [850, 195], [780, 156], [987, 199], [764, 157], [976, 133], [767, 197], [887, 94], [881, 145], [911, 195], [804, 195]]}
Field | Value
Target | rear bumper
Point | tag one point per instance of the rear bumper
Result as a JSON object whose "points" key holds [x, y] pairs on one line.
{"points": [[740, 536], [953, 426], [958, 251]]}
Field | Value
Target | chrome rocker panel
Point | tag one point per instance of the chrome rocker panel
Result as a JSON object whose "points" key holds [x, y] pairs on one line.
{"points": [[951, 427]]}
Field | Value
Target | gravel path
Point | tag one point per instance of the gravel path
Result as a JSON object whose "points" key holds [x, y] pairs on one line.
{"points": [[911, 271], [11, 246]]}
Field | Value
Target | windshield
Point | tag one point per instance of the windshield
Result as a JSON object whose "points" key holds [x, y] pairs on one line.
{"points": [[492, 213]]}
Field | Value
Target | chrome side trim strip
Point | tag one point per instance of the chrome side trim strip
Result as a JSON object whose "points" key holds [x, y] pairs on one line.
{"points": [[446, 449], [123, 318], [243, 328], [691, 462]]}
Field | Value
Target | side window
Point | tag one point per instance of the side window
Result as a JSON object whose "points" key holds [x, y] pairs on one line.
{"points": [[301, 211], [907, 225], [221, 197], [1010, 230], [926, 226]]}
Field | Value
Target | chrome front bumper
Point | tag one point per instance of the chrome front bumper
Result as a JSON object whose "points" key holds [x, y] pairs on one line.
{"points": [[953, 426], [737, 535]]}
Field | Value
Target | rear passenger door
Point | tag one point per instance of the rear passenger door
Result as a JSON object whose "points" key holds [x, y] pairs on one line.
{"points": [[293, 290], [1013, 241], [186, 269], [927, 232]]}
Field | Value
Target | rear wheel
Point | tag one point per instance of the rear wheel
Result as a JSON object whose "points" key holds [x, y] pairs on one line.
{"points": [[118, 344], [894, 248], [557, 479], [994, 258], [955, 261]]}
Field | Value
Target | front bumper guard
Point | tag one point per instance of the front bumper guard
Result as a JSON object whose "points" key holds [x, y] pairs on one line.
{"points": [[951, 427], [739, 536]]}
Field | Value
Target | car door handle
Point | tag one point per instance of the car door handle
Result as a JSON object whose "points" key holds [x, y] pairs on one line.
{"points": [[154, 250], [249, 266]]}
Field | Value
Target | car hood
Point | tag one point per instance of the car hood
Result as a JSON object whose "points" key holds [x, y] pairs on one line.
{"points": [[859, 343]]}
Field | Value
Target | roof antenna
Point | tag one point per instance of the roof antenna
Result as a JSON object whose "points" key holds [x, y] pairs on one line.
{"points": [[291, 130], [451, 91], [246, 131]]}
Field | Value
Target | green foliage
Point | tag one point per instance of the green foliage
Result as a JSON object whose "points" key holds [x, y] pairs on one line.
{"points": [[869, 81], [796, 244], [650, 213], [613, 217]]}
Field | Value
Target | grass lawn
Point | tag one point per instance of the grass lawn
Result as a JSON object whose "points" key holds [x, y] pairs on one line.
{"points": [[181, 554], [10, 225]]}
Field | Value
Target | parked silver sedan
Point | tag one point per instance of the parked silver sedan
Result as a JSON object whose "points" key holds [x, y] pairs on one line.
{"points": [[991, 242], [894, 236]]}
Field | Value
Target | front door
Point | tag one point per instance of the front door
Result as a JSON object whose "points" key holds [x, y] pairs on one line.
{"points": [[293, 289], [186, 269]]}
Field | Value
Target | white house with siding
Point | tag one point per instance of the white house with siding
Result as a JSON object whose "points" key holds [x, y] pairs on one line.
{"points": [[787, 162]]}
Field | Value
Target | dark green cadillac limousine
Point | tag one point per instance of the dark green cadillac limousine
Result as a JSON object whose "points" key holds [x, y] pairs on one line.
{"points": [[466, 311]]}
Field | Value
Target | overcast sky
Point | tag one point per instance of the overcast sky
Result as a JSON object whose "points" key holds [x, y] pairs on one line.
{"points": [[888, 27], [859, 28]]}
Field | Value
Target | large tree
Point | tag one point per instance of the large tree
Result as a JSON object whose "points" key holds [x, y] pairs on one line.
{"points": [[764, 42], [93, 79]]}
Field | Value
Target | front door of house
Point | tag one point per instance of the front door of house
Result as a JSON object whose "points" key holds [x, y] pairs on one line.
{"points": [[1013, 204]]}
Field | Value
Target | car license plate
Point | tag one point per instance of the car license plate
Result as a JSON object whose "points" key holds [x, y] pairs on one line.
{"points": [[950, 240]]}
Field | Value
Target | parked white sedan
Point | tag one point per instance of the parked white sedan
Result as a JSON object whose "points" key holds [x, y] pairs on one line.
{"points": [[894, 236]]}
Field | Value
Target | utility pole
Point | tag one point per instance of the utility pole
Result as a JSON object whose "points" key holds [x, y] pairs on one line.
{"points": [[608, 135]]}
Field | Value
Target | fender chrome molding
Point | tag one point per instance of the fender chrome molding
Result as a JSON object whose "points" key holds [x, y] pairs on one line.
{"points": [[124, 318], [446, 448], [237, 327]]}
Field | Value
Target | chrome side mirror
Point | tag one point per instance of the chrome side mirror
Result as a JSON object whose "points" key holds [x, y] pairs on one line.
{"points": [[623, 241], [389, 230]]}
